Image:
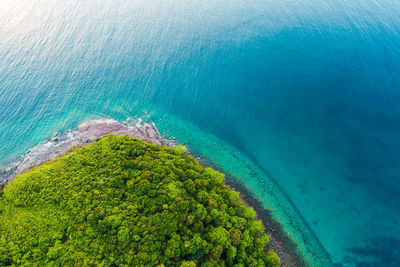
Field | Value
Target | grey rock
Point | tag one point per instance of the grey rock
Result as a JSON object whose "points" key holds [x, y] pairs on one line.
{"points": [[87, 132]]}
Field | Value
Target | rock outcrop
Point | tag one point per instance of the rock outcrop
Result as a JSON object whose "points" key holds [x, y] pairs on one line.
{"points": [[87, 132]]}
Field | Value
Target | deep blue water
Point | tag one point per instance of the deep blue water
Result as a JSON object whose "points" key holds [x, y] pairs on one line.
{"points": [[299, 99]]}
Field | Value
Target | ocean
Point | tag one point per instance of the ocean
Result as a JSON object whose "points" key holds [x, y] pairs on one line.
{"points": [[298, 99]]}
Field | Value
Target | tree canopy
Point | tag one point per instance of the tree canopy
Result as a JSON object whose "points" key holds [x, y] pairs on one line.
{"points": [[123, 202]]}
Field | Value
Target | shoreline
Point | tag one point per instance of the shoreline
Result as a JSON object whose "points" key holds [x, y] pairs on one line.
{"points": [[285, 247], [279, 241], [91, 130], [87, 132]]}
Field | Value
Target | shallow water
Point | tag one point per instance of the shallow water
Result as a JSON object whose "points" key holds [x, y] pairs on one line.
{"points": [[299, 94]]}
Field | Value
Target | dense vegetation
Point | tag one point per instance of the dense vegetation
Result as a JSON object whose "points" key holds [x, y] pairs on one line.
{"points": [[120, 201]]}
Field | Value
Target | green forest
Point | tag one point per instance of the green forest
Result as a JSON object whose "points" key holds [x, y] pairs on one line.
{"points": [[123, 202]]}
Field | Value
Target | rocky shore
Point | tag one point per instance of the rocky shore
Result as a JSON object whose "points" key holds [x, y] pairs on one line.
{"points": [[87, 132], [90, 131], [279, 241]]}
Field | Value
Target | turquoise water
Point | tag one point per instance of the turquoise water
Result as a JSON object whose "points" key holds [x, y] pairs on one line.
{"points": [[299, 99]]}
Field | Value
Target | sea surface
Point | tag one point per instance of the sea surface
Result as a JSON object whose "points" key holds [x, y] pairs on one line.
{"points": [[299, 99]]}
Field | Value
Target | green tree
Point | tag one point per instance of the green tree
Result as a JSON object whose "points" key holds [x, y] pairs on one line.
{"points": [[123, 202]]}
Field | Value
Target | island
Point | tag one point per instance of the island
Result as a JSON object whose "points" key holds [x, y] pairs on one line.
{"points": [[121, 201]]}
